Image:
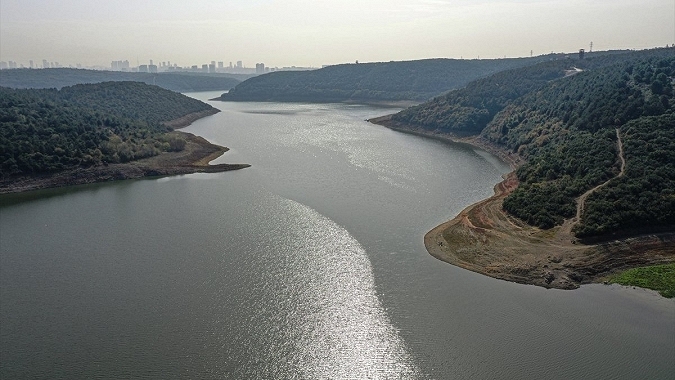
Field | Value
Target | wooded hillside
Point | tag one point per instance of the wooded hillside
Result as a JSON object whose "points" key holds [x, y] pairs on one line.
{"points": [[468, 110], [372, 82], [85, 125], [565, 128], [566, 131]]}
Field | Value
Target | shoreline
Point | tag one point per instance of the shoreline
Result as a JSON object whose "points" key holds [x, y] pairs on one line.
{"points": [[512, 159], [190, 118], [362, 102], [484, 239], [194, 158]]}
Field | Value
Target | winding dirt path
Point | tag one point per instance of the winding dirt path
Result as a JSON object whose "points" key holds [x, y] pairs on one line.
{"points": [[581, 201], [565, 231]]}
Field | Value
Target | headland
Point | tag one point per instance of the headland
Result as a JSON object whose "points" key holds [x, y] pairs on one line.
{"points": [[485, 239], [194, 158]]}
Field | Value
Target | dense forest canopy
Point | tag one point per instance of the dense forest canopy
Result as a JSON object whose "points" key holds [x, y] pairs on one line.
{"points": [[49, 130], [468, 110], [567, 132], [565, 126], [176, 81], [372, 82], [645, 196]]}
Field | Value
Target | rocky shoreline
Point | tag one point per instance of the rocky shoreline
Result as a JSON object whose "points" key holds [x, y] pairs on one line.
{"points": [[483, 238], [194, 158]]}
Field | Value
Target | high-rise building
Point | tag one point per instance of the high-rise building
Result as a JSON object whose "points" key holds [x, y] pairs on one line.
{"points": [[240, 65], [119, 65], [205, 68], [45, 64], [220, 64], [31, 64], [143, 68], [152, 68], [259, 68], [212, 67]]}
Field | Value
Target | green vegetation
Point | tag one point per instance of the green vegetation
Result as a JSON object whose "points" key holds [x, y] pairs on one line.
{"points": [[372, 82], [566, 131], [470, 109], [644, 198], [467, 111], [175, 81], [565, 127], [86, 125], [658, 277]]}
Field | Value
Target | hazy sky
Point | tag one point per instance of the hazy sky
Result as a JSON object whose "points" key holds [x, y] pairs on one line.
{"points": [[317, 32]]}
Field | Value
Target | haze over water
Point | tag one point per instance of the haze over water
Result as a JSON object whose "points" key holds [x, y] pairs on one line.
{"points": [[309, 264]]}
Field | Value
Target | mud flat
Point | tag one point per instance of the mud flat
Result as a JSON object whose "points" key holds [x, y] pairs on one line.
{"points": [[484, 239]]}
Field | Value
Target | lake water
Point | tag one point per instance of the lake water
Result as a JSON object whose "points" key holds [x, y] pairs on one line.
{"points": [[308, 265]]}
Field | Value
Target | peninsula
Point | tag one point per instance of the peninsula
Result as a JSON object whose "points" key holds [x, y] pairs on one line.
{"points": [[100, 132], [592, 145]]}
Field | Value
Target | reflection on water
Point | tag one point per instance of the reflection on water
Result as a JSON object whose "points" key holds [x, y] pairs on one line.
{"points": [[324, 304], [287, 109]]}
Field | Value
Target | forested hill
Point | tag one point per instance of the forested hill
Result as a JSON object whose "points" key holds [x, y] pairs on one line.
{"points": [[468, 110], [566, 130], [58, 78], [48, 130], [372, 82]]}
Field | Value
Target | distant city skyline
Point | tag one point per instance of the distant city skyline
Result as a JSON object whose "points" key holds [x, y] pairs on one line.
{"points": [[312, 33], [237, 67]]}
